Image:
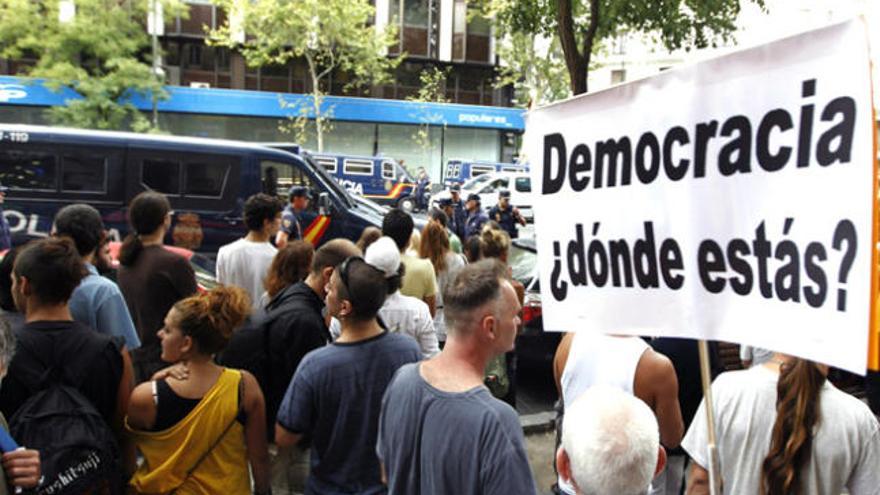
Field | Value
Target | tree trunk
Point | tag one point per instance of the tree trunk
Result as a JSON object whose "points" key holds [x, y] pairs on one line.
{"points": [[589, 39], [574, 61], [577, 62], [317, 99]]}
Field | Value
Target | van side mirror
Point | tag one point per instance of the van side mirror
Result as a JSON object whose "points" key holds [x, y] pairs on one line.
{"points": [[324, 204]]}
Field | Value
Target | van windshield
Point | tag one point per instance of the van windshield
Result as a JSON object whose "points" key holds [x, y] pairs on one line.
{"points": [[403, 174], [477, 181]]}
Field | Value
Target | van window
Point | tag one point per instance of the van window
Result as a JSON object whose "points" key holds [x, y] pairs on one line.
{"points": [[328, 163], [161, 175], [358, 167], [388, 170], [285, 174], [523, 184], [31, 170], [510, 169], [481, 169], [84, 174], [205, 179], [495, 186]]}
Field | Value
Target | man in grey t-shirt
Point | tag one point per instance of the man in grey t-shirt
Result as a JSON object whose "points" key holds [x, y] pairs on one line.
{"points": [[440, 430]]}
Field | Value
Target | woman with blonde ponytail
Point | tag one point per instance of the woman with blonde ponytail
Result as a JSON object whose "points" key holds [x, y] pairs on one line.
{"points": [[783, 429], [198, 434]]}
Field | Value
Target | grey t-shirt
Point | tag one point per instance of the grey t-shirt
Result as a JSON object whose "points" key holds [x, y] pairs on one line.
{"points": [[335, 397], [846, 443], [435, 442]]}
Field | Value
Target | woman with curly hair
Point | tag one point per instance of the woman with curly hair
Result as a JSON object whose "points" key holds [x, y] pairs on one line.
{"points": [[199, 434]]}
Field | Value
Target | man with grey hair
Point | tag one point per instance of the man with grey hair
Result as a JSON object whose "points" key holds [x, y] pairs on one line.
{"points": [[440, 430], [610, 444]]}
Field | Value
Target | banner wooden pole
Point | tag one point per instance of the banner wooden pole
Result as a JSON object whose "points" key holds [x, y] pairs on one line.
{"points": [[714, 466]]}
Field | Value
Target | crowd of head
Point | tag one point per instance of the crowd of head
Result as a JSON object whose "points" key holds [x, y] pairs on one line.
{"points": [[382, 366]]}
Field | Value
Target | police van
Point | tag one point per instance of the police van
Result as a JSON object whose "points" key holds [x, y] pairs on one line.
{"points": [[459, 171], [377, 178], [206, 180]]}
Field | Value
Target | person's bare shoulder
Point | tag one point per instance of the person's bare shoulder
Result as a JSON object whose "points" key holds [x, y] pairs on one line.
{"points": [[560, 358], [141, 407], [655, 375]]}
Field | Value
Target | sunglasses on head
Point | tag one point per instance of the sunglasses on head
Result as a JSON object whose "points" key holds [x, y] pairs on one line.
{"points": [[344, 268]]}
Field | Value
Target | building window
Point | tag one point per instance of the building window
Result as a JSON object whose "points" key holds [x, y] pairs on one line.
{"points": [[619, 45], [618, 76], [474, 86], [419, 30], [471, 35]]}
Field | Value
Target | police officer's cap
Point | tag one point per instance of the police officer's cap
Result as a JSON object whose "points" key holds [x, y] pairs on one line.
{"points": [[444, 202], [455, 188], [473, 197], [300, 192], [504, 193]]}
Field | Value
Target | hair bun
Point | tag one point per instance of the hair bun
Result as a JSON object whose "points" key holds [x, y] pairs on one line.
{"points": [[227, 307]]}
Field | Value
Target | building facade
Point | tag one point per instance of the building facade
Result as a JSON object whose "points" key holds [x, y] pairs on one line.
{"points": [[432, 33]]}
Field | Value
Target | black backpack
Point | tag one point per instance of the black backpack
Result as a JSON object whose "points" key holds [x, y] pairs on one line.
{"points": [[78, 451]]}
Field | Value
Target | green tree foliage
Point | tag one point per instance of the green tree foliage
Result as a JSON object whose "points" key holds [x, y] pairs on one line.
{"points": [[100, 53], [579, 26], [431, 90], [332, 36], [535, 70]]}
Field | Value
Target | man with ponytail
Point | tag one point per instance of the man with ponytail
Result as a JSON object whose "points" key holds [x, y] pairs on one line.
{"points": [[336, 393], [151, 278], [783, 429]]}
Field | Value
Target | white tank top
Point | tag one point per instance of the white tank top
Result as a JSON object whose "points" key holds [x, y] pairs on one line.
{"points": [[596, 359]]}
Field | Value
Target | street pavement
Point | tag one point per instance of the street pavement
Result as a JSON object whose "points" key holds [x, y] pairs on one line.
{"points": [[535, 396], [541, 450]]}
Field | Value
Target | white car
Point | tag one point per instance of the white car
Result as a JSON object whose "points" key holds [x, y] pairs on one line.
{"points": [[489, 185]]}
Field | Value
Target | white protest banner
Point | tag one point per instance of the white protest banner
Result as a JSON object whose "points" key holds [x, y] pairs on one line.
{"points": [[729, 200]]}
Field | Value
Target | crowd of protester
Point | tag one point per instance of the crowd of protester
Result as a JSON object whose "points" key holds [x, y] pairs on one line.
{"points": [[382, 366]]}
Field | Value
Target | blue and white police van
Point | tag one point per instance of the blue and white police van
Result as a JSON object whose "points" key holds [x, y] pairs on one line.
{"points": [[380, 179], [206, 180], [459, 171]]}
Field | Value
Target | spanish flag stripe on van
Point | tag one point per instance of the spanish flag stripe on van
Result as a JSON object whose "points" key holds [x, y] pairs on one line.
{"points": [[395, 192], [316, 229]]}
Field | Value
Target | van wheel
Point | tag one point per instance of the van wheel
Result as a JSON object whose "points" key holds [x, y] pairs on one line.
{"points": [[407, 204]]}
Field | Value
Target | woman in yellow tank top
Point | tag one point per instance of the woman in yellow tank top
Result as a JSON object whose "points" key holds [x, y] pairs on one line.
{"points": [[198, 435]]}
